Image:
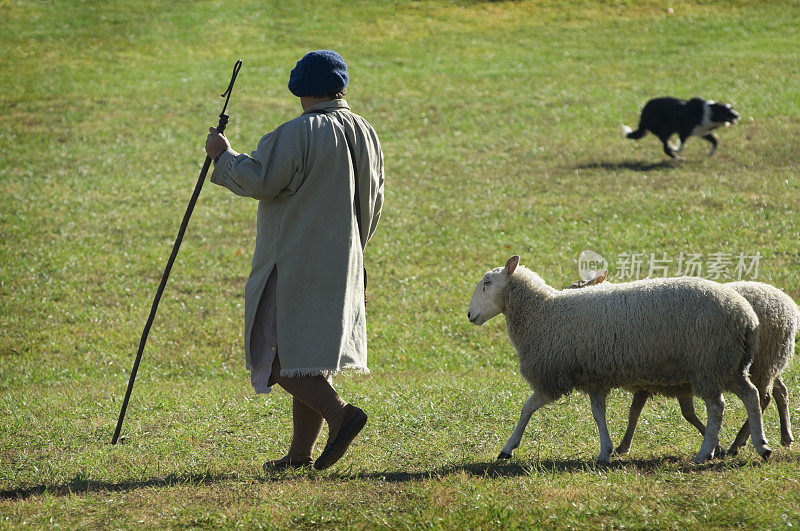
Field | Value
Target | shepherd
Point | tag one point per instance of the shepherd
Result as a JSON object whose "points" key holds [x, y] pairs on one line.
{"points": [[319, 182]]}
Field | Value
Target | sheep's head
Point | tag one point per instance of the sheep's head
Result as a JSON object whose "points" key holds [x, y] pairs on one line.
{"points": [[592, 278], [487, 300]]}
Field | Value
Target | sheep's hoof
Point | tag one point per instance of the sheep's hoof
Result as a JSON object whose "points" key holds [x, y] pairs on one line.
{"points": [[619, 450], [719, 452], [786, 440], [504, 456], [733, 450], [767, 453]]}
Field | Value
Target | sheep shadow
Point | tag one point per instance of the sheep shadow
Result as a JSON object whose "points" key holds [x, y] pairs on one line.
{"points": [[537, 467], [634, 165], [485, 469]]}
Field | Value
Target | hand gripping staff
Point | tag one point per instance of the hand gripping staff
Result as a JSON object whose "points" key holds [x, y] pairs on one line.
{"points": [[223, 122]]}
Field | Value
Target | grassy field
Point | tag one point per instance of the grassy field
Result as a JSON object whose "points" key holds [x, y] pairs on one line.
{"points": [[500, 124]]}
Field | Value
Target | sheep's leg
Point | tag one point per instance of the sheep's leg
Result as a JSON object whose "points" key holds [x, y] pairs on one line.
{"points": [[741, 437], [781, 395], [639, 399], [715, 405], [534, 402], [748, 394], [598, 400], [687, 410]]}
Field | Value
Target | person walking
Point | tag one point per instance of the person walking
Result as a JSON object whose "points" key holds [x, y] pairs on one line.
{"points": [[319, 182]]}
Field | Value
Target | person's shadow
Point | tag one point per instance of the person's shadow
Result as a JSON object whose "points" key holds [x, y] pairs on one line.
{"points": [[81, 484], [484, 469]]}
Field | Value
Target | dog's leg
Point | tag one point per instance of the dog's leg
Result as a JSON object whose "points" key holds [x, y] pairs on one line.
{"points": [[682, 140], [668, 148], [713, 139]]}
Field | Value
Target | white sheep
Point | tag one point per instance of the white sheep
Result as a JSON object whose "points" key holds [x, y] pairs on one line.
{"points": [[779, 319], [683, 393], [664, 332]]}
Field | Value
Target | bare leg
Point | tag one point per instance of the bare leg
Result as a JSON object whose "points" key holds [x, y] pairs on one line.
{"points": [[598, 401], [306, 427], [748, 394], [317, 394], [714, 408], [781, 396], [534, 402], [639, 399]]}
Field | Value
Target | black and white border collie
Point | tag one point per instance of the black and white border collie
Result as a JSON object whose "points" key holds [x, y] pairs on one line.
{"points": [[697, 117]]}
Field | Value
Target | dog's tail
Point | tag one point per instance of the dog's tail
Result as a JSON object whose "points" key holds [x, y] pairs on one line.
{"points": [[630, 133]]}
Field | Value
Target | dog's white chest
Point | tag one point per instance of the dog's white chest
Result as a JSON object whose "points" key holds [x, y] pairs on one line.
{"points": [[703, 129], [706, 125]]}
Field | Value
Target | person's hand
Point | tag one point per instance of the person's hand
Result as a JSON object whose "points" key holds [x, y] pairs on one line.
{"points": [[216, 143]]}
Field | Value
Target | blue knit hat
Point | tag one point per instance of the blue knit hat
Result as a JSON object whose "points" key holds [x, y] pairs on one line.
{"points": [[318, 73]]}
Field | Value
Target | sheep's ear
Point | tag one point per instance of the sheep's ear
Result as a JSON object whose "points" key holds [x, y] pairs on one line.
{"points": [[512, 264], [592, 279]]}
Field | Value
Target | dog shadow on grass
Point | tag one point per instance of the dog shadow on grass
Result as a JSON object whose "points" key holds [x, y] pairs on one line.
{"points": [[635, 165]]}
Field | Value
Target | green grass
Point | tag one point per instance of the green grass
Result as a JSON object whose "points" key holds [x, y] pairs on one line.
{"points": [[500, 126]]}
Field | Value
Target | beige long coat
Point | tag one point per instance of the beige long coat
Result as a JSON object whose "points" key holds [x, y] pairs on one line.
{"points": [[303, 178]]}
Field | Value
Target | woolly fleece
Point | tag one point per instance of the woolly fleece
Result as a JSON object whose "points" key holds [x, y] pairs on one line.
{"points": [[662, 332]]}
